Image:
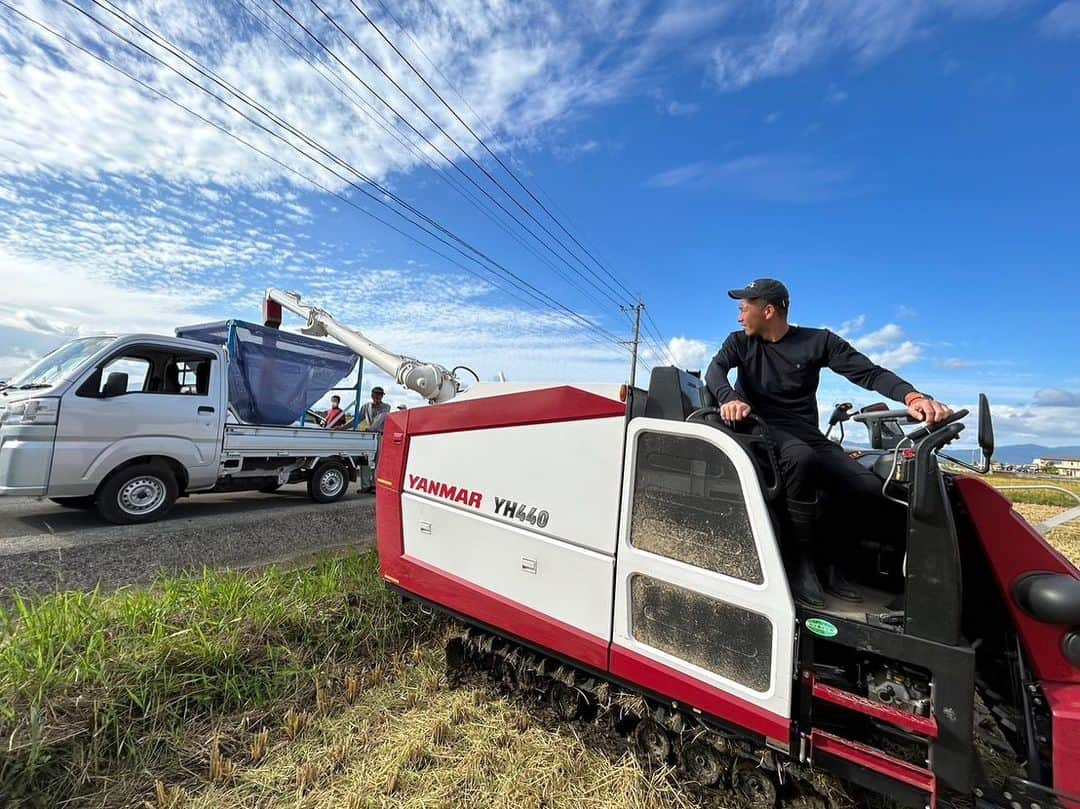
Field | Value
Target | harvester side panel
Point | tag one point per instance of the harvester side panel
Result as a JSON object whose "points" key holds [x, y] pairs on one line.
{"points": [[565, 582], [558, 480], [504, 510]]}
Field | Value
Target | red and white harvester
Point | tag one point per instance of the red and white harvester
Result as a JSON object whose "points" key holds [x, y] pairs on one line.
{"points": [[611, 546]]}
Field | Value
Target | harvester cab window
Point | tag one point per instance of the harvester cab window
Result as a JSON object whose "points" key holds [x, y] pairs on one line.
{"points": [[688, 506]]}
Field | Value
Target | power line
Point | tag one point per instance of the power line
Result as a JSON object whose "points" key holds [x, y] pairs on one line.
{"points": [[529, 290], [402, 139], [605, 264], [652, 328], [449, 137], [410, 125], [482, 143], [161, 42]]}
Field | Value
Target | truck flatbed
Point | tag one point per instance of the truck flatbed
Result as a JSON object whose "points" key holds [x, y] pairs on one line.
{"points": [[259, 441]]}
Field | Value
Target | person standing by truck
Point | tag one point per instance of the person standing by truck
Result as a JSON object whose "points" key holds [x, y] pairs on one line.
{"points": [[372, 418], [371, 410]]}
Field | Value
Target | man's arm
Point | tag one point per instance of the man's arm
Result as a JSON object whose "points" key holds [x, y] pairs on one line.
{"points": [[858, 368], [731, 407], [716, 377]]}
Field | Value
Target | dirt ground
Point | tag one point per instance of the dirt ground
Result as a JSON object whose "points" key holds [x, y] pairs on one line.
{"points": [[1065, 538]]}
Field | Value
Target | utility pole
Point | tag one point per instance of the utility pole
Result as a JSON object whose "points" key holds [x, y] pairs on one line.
{"points": [[636, 308]]}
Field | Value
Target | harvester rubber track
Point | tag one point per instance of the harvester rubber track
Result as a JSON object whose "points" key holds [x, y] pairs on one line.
{"points": [[703, 754]]}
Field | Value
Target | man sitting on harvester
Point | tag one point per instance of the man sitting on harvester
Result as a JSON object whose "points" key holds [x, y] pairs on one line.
{"points": [[779, 366]]}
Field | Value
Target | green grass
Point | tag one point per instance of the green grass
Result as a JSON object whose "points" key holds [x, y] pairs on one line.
{"points": [[1037, 496], [92, 683]]}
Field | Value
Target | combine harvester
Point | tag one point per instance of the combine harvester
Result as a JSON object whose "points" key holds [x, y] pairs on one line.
{"points": [[611, 546]]}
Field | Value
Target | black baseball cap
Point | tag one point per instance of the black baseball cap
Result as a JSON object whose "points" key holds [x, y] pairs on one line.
{"points": [[768, 289], [377, 389]]}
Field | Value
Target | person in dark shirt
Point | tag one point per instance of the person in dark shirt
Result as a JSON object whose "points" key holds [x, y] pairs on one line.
{"points": [[779, 367]]}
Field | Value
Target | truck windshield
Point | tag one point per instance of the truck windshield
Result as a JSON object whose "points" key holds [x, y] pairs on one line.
{"points": [[58, 365]]}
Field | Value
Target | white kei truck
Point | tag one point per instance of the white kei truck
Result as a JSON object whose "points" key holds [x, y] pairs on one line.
{"points": [[127, 424]]}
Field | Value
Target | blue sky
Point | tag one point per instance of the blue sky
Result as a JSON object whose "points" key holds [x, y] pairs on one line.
{"points": [[910, 168]]}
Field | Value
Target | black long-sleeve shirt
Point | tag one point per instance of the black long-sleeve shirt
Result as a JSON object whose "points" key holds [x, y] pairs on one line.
{"points": [[780, 380]]}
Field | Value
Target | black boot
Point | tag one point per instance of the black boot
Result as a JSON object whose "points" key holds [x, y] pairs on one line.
{"points": [[802, 577], [839, 585], [804, 580]]}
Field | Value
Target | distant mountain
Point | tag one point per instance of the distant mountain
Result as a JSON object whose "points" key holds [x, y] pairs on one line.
{"points": [[1026, 453]]}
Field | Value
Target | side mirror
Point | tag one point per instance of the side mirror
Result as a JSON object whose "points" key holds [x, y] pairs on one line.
{"points": [[115, 385], [986, 430]]}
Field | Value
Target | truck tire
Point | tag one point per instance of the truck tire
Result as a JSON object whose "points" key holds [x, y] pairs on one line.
{"points": [[329, 481], [74, 502], [142, 492]]}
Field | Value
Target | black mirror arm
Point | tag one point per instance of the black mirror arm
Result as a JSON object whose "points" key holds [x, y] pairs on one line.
{"points": [[921, 497], [982, 468]]}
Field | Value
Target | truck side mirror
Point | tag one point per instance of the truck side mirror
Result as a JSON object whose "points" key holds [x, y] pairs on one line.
{"points": [[986, 429], [115, 385]]}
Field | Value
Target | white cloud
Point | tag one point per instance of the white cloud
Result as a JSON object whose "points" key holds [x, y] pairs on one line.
{"points": [[686, 352], [796, 34], [61, 300], [688, 18], [1056, 397], [955, 362], [573, 151], [903, 312], [779, 177], [836, 95], [1063, 21], [680, 109], [898, 356], [886, 335], [851, 326]]}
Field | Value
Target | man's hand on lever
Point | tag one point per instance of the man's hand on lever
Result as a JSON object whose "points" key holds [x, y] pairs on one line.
{"points": [[926, 409], [734, 410]]}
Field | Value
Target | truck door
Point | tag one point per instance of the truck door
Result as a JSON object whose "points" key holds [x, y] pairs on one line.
{"points": [[170, 405], [702, 612]]}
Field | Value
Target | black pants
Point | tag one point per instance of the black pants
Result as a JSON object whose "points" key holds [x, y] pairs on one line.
{"points": [[852, 508], [810, 463]]}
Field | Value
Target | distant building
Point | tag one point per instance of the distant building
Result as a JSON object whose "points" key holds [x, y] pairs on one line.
{"points": [[1066, 467]]}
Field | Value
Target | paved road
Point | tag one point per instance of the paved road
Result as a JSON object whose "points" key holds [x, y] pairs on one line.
{"points": [[44, 547]]}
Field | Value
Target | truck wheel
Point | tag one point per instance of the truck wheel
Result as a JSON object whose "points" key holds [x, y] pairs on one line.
{"points": [[74, 502], [140, 493], [329, 481]]}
